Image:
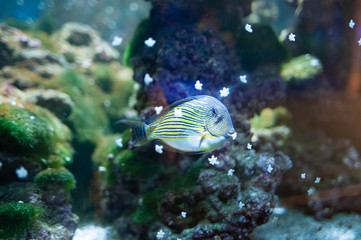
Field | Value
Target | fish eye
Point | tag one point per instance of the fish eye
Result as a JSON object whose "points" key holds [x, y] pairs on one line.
{"points": [[214, 111], [219, 119]]}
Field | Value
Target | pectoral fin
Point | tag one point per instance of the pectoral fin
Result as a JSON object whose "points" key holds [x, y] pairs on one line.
{"points": [[203, 136]]}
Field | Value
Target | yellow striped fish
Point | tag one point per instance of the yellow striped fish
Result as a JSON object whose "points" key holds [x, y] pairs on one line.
{"points": [[193, 125]]}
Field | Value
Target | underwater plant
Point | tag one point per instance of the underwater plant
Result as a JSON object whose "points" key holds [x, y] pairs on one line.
{"points": [[16, 218], [58, 178]]}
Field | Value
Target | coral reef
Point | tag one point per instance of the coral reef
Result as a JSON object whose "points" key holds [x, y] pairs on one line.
{"points": [[45, 112], [61, 92]]}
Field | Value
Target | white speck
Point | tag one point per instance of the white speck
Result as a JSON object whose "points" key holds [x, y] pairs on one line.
{"points": [[274, 219], [160, 234], [140, 201], [51, 129], [21, 202], [339, 179], [279, 210], [86, 63], [21, 172], [303, 175], [213, 160], [178, 112], [315, 62], [248, 28], [150, 42], [147, 79], [133, 6], [317, 180], [359, 42], [32, 118], [119, 142], [249, 146], [107, 103], [102, 169], [91, 232], [198, 85], [158, 109], [241, 204], [67, 159], [159, 148], [117, 41], [230, 172], [351, 24], [224, 92], [243, 78], [1, 164], [184, 214], [234, 135], [311, 191], [292, 37], [109, 9], [270, 168], [12, 102]]}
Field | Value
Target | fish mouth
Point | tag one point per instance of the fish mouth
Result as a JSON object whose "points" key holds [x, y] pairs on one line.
{"points": [[231, 134]]}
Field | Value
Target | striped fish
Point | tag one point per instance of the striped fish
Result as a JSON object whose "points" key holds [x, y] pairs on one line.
{"points": [[193, 125]]}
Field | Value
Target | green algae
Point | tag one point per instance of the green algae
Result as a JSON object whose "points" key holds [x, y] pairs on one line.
{"points": [[35, 133], [301, 68], [269, 118], [131, 163], [16, 218], [88, 119], [59, 178]]}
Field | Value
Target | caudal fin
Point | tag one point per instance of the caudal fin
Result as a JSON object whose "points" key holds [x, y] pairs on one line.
{"points": [[139, 130]]}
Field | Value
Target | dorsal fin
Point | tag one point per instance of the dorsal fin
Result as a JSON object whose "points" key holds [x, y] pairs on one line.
{"points": [[166, 110]]}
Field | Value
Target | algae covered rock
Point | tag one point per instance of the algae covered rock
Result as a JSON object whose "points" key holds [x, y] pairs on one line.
{"points": [[30, 212], [301, 68], [55, 178], [17, 218]]}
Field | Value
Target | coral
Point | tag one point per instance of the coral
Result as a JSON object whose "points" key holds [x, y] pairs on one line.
{"points": [[269, 129], [219, 205], [55, 178], [301, 68], [16, 218]]}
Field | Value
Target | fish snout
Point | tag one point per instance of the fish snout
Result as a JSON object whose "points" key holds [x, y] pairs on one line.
{"points": [[231, 134]]}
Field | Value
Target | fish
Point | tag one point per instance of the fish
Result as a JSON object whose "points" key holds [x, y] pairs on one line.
{"points": [[194, 125]]}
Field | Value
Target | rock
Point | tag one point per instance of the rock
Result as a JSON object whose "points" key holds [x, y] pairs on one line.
{"points": [[57, 102], [84, 44]]}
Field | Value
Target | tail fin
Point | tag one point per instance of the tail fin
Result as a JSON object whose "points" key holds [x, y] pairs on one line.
{"points": [[139, 130]]}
